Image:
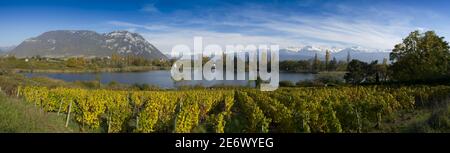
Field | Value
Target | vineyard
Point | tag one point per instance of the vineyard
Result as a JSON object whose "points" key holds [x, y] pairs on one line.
{"points": [[332, 109]]}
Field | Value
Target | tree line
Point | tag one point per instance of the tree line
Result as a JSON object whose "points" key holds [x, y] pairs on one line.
{"points": [[422, 57], [113, 61], [315, 65]]}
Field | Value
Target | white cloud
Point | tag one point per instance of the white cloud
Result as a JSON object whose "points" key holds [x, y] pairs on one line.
{"points": [[150, 8], [314, 32], [373, 28], [324, 32], [359, 33], [165, 41], [132, 25]]}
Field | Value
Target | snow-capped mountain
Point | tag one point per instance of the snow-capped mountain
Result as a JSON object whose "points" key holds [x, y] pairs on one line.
{"points": [[67, 43], [314, 48], [308, 52]]}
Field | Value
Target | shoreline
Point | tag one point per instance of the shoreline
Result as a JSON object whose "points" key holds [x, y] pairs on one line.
{"points": [[125, 69]]}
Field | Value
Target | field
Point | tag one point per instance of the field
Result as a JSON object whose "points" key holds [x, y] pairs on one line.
{"points": [[17, 116], [348, 109]]}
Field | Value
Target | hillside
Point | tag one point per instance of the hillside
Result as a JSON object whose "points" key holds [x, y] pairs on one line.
{"points": [[68, 43]]}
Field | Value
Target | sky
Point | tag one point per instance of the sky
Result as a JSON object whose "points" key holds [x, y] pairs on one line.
{"points": [[373, 24]]}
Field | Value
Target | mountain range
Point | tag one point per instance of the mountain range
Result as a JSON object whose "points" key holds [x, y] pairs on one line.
{"points": [[308, 52], [69, 43]]}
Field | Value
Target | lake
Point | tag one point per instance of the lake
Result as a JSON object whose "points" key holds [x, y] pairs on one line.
{"points": [[161, 78]]}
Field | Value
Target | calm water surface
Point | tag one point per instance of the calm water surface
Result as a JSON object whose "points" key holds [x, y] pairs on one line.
{"points": [[161, 78]]}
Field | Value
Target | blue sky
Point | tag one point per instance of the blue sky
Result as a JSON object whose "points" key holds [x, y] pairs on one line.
{"points": [[375, 24]]}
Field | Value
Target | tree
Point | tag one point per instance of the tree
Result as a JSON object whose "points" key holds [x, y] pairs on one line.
{"points": [[357, 72], [76, 62], [421, 57], [348, 57], [116, 59], [288, 65], [333, 64], [373, 72], [303, 66], [295, 66], [316, 64], [383, 70], [327, 60]]}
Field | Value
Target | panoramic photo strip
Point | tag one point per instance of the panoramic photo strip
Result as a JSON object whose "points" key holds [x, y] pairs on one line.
{"points": [[224, 75]]}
